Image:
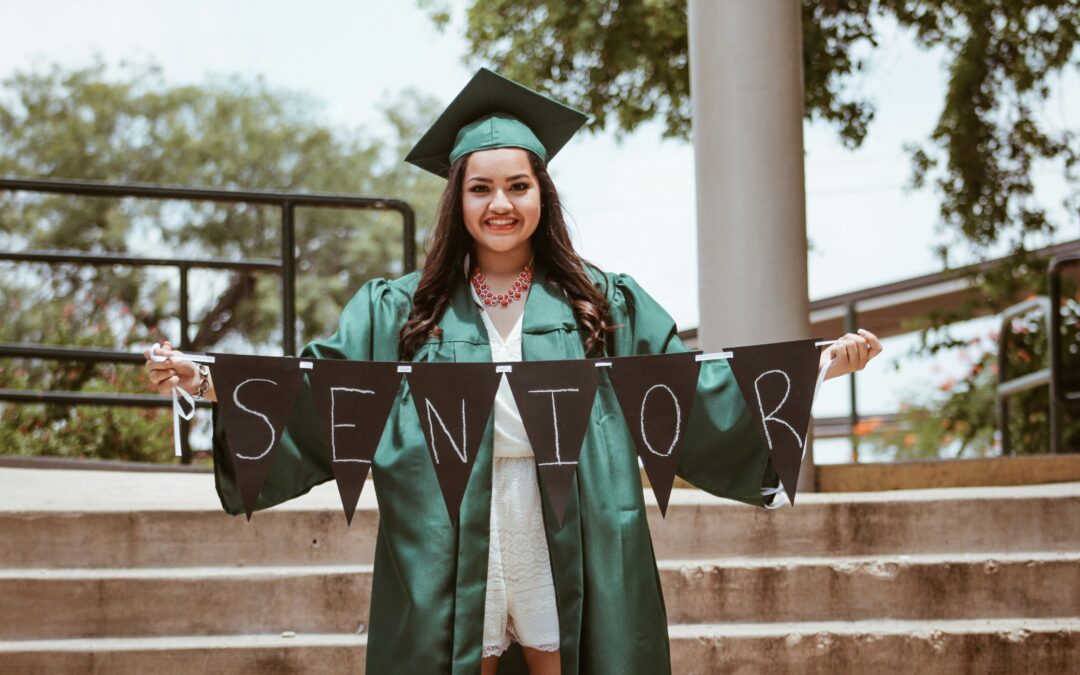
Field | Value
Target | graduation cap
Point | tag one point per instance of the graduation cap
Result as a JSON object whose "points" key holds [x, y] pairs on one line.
{"points": [[495, 112]]}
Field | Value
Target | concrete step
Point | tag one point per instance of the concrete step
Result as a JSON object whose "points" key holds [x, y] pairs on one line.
{"points": [[163, 538], [41, 603], [102, 519], [956, 520], [66, 519], [987, 647], [939, 586], [983, 646], [186, 655], [77, 603]]}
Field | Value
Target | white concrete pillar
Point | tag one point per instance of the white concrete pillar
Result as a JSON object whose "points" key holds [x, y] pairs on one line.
{"points": [[746, 86]]}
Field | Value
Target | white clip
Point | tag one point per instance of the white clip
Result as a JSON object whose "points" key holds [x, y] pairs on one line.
{"points": [[404, 369], [713, 356], [603, 364], [306, 365], [504, 369]]}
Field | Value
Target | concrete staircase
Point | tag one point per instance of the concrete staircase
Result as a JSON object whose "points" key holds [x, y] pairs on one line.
{"points": [[122, 572]]}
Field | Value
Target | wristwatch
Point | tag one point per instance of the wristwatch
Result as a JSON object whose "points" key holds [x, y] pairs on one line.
{"points": [[204, 373]]}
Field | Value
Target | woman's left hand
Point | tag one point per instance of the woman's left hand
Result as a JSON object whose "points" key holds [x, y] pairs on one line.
{"points": [[851, 352]]}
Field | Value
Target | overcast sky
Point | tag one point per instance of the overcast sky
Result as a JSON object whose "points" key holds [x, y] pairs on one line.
{"points": [[352, 55]]}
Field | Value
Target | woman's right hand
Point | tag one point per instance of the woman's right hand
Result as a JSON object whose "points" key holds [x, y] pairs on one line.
{"points": [[172, 372]]}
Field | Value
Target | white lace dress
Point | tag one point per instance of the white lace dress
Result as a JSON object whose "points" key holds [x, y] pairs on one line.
{"points": [[520, 602]]}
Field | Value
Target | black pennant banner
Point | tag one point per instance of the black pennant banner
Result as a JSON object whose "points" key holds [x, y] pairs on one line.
{"points": [[555, 399], [256, 395], [354, 399], [656, 393], [453, 402], [778, 382]]}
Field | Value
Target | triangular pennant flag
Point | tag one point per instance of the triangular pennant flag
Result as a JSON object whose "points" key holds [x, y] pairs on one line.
{"points": [[778, 382], [256, 395], [555, 399], [453, 402], [656, 393], [354, 399]]}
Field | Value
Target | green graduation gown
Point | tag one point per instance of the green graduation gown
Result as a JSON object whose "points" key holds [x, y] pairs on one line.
{"points": [[427, 601]]}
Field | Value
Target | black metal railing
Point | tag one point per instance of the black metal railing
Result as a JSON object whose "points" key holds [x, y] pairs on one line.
{"points": [[1052, 376], [887, 310], [288, 202]]}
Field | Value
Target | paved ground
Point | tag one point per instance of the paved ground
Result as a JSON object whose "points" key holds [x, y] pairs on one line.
{"points": [[69, 490]]}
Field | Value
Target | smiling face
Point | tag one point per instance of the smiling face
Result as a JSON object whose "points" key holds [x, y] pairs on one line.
{"points": [[501, 205]]}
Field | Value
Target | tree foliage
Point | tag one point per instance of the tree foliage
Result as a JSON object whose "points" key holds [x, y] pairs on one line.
{"points": [[626, 62], [128, 124], [960, 418]]}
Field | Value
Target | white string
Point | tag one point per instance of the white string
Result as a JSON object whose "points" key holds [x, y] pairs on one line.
{"points": [[178, 413], [779, 494], [308, 365], [197, 358], [177, 393], [713, 356]]}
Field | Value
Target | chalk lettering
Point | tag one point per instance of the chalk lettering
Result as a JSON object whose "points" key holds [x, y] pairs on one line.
{"points": [[460, 450], [334, 426], [771, 417], [236, 400], [554, 420], [678, 420]]}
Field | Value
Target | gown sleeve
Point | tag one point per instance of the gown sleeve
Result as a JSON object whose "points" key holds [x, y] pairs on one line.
{"points": [[367, 330], [722, 453]]}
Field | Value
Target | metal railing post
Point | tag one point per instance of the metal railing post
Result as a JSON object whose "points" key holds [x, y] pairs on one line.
{"points": [[288, 279], [185, 344], [185, 315], [408, 217], [1003, 400], [1007, 387], [1059, 398], [851, 320]]}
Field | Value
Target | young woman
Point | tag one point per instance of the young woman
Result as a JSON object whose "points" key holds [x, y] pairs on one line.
{"points": [[502, 282]]}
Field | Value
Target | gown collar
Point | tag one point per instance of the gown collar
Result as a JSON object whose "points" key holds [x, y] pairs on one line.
{"points": [[546, 306]]}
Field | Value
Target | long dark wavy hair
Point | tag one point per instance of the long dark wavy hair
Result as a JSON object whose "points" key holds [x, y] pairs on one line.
{"points": [[450, 242]]}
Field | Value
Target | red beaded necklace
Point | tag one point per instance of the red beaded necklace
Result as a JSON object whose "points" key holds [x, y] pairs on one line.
{"points": [[491, 299]]}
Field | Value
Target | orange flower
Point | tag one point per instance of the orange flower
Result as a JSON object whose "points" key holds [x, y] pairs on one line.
{"points": [[866, 426], [909, 440]]}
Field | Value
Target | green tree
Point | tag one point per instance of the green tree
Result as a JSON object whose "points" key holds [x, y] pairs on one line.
{"points": [[128, 124], [626, 62]]}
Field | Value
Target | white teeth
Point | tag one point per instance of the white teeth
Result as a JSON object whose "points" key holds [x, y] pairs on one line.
{"points": [[500, 222]]}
